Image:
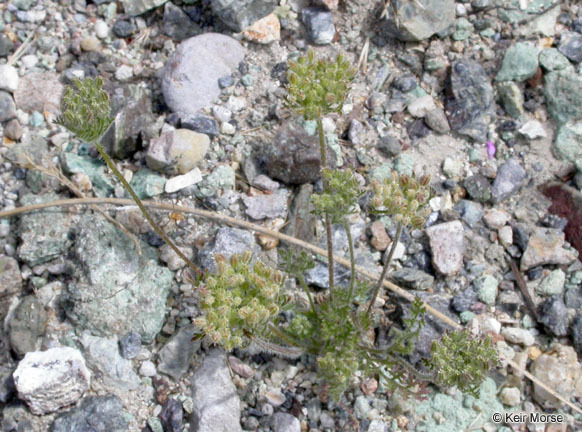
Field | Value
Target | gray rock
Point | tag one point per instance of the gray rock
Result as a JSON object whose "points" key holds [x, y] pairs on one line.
{"points": [[470, 212], [447, 243], [552, 284], [190, 77], [216, 402], [13, 130], [228, 241], [44, 235], [201, 124], [554, 315], [39, 91], [177, 25], [134, 121], [10, 277], [486, 289], [172, 416], [7, 106], [519, 63], [567, 143], [463, 29], [240, 14], [51, 379], [576, 332], [26, 325], [511, 98], [478, 187], [571, 46], [103, 356], [130, 345], [416, 21], [463, 301], [437, 121], [6, 46], [563, 92], [413, 278], [124, 28], [470, 104], [319, 25], [115, 283], [294, 156], [138, 7], [553, 60], [94, 168], [265, 206], [545, 247], [174, 357], [177, 151], [389, 145], [301, 220], [8, 78], [7, 388], [509, 178], [95, 414], [283, 422], [222, 178]]}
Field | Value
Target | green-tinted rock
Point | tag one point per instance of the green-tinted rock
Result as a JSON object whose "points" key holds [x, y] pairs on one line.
{"points": [[221, 178], [568, 143], [95, 169], [486, 287], [511, 98], [475, 155], [463, 29], [519, 63], [487, 33], [381, 172], [147, 183], [26, 325], [45, 234], [404, 164], [466, 316], [117, 289], [563, 92], [553, 60], [552, 284], [455, 414], [511, 11]]}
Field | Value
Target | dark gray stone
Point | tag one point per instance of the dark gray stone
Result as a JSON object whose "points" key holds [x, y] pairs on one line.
{"points": [[419, 20], [26, 325], [6, 46], [172, 416], [294, 156], [319, 25], [301, 220], [283, 422], [554, 315], [177, 24], [405, 82], [7, 388], [470, 211], [571, 46], [7, 106], [509, 178], [412, 278], [124, 28], [201, 124], [462, 302], [437, 121], [239, 14], [389, 145], [95, 414], [130, 345], [174, 357], [478, 187], [470, 99], [576, 332], [228, 241]]}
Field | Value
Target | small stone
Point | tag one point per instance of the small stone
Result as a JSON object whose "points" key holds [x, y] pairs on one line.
{"points": [[90, 44], [172, 259], [390, 146], [227, 128], [225, 81], [240, 368], [452, 168], [380, 239], [264, 31], [177, 151], [509, 178], [267, 206], [533, 129], [275, 397], [26, 325], [510, 396], [447, 246], [283, 422], [545, 247], [421, 106], [554, 315], [478, 187], [553, 60], [571, 46], [235, 103], [412, 23], [183, 181], [51, 379], [495, 219], [518, 336], [101, 29], [319, 24], [124, 28], [8, 78], [105, 411], [130, 345], [505, 235], [147, 183], [511, 98], [519, 63], [413, 279], [567, 142], [7, 106], [124, 73], [13, 130], [177, 24], [221, 113], [239, 15], [174, 357], [552, 284], [437, 121], [147, 369], [172, 416], [486, 288], [201, 124], [355, 131]]}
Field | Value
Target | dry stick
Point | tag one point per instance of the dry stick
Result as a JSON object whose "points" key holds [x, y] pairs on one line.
{"points": [[523, 288], [292, 240]]}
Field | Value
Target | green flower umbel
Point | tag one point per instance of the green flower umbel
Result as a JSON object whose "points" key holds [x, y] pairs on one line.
{"points": [[318, 87], [85, 109]]}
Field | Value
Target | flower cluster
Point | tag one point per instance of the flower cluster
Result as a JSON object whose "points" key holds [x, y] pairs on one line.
{"points": [[340, 196], [240, 298], [318, 87], [461, 360], [405, 198], [85, 109]]}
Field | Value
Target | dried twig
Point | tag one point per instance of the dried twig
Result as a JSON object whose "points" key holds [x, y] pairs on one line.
{"points": [[524, 291], [292, 240]]}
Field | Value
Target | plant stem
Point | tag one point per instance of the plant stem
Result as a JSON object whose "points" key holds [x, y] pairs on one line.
{"points": [[154, 225], [304, 286], [327, 218], [380, 281], [352, 260]]}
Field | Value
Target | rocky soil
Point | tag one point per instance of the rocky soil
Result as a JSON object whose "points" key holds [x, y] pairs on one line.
{"points": [[485, 96]]}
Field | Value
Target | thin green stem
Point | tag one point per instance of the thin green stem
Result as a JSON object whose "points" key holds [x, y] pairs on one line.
{"points": [[327, 218], [306, 289], [352, 260], [154, 225], [380, 281]]}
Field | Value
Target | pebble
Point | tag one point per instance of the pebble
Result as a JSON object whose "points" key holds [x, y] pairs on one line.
{"points": [[509, 178], [183, 181], [571, 46], [147, 369], [264, 31], [124, 73], [545, 247], [421, 106], [380, 239], [510, 396], [105, 411], [101, 29], [319, 24], [554, 315], [495, 219], [533, 129], [130, 345], [8, 78], [486, 288], [7, 106], [519, 63], [90, 44], [13, 130], [283, 422], [518, 336], [221, 113], [227, 128], [172, 259], [552, 284], [177, 151], [447, 246]]}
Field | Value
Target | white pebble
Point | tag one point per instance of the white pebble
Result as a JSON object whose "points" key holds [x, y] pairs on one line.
{"points": [[8, 78], [183, 181], [235, 103], [124, 73], [227, 128], [221, 113], [147, 369], [101, 29], [510, 396], [518, 336], [29, 61]]}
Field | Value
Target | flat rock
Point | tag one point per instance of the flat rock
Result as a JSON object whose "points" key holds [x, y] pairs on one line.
{"points": [[264, 31], [416, 21], [190, 77], [228, 241], [174, 357], [240, 14], [96, 413], [447, 244], [26, 325], [216, 402], [39, 91], [413, 278], [563, 92], [319, 24], [567, 143], [519, 63], [51, 379], [267, 206], [509, 178], [545, 247]]}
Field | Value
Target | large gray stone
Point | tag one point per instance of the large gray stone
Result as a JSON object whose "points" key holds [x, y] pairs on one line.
{"points": [[420, 19], [95, 414], [115, 283], [216, 403], [239, 14], [563, 92], [470, 102], [228, 241], [190, 77]]}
